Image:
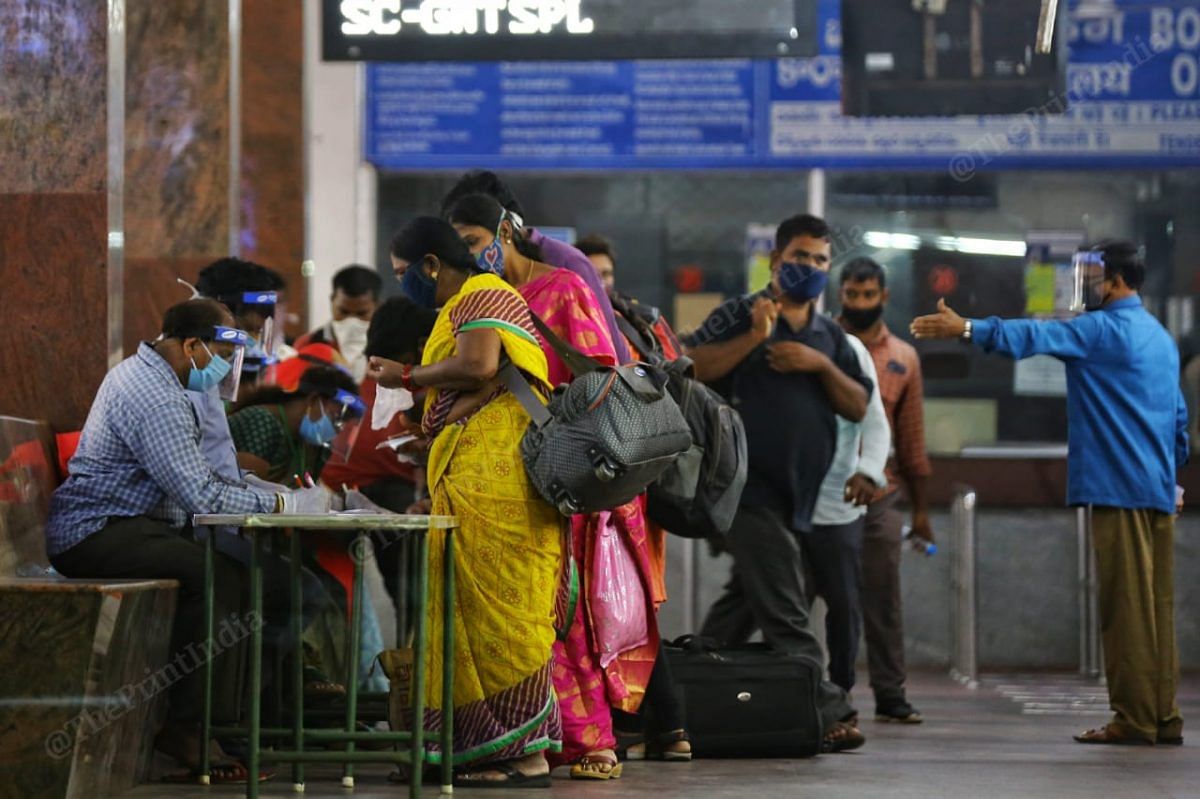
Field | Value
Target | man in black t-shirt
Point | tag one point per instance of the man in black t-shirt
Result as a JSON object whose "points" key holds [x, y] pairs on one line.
{"points": [[789, 371]]}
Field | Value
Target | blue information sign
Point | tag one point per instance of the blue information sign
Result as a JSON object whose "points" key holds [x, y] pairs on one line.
{"points": [[1133, 100]]}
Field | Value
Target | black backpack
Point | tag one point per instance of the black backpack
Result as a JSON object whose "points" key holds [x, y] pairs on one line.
{"points": [[697, 496]]}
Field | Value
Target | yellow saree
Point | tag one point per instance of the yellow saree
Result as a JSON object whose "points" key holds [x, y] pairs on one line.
{"points": [[508, 549]]}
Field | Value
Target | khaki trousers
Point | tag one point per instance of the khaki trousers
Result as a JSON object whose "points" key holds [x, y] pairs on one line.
{"points": [[1135, 560]]}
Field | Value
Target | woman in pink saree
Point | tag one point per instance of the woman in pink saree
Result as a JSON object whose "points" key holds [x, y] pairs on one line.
{"points": [[587, 691]]}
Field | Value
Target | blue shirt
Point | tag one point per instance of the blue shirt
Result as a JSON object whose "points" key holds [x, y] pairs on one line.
{"points": [[1126, 417], [141, 446]]}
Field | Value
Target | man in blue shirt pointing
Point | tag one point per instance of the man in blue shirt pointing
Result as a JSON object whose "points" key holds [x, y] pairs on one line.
{"points": [[1127, 436]]}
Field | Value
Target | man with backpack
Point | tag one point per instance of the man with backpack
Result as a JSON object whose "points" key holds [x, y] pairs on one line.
{"points": [[790, 372]]}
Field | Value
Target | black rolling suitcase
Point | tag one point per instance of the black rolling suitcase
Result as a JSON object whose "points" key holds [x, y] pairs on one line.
{"points": [[747, 701]]}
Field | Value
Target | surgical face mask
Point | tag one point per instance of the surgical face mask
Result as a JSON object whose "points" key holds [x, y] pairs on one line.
{"points": [[202, 380], [801, 282], [319, 432], [491, 258], [862, 318], [418, 286], [351, 335]]}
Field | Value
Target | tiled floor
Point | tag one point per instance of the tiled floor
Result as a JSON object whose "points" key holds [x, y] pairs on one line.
{"points": [[1009, 738]]}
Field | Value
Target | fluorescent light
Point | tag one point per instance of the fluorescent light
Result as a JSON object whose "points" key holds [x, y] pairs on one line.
{"points": [[891, 241], [973, 246]]}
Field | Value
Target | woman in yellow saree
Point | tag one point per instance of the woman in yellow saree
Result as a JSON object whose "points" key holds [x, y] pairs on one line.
{"points": [[508, 550]]}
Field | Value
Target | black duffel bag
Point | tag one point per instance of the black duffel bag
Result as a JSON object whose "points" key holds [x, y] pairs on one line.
{"points": [[747, 701]]}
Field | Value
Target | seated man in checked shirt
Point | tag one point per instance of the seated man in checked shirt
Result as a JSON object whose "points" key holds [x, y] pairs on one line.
{"points": [[141, 445]]}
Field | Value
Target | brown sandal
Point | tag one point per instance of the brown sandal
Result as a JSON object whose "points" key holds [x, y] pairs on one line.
{"points": [[583, 769], [842, 737], [1109, 734]]}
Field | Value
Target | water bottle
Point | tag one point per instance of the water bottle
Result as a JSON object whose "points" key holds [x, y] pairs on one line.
{"points": [[919, 544]]}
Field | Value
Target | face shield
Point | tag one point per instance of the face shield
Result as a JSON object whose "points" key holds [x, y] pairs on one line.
{"points": [[346, 420], [1087, 269], [228, 387], [261, 352]]}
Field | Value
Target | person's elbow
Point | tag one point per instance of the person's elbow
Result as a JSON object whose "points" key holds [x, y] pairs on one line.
{"points": [[702, 365], [854, 407], [479, 369]]}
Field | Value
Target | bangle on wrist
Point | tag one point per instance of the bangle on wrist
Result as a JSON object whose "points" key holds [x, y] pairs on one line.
{"points": [[406, 377]]}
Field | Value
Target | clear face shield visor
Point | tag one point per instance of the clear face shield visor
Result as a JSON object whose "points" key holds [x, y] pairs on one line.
{"points": [[347, 420], [228, 387], [261, 352], [1087, 269]]}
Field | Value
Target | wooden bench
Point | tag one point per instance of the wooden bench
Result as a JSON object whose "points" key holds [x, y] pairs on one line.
{"points": [[82, 663]]}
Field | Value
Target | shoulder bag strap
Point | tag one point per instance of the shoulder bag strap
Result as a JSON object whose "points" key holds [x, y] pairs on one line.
{"points": [[576, 361]]}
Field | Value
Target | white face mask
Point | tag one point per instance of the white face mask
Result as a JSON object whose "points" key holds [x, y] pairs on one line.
{"points": [[351, 335]]}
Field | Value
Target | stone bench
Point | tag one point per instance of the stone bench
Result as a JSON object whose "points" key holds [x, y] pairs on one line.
{"points": [[83, 675]]}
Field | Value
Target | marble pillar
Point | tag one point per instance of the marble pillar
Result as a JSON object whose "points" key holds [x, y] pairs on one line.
{"points": [[53, 208]]}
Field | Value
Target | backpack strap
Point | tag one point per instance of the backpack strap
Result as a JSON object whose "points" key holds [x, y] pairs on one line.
{"points": [[519, 387], [576, 361], [637, 339]]}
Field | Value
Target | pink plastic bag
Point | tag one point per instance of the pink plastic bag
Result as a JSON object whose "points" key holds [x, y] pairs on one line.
{"points": [[616, 597]]}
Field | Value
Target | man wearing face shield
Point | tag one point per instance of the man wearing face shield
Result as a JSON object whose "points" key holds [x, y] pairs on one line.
{"points": [[252, 292], [790, 372], [1127, 436], [355, 296], [138, 448]]}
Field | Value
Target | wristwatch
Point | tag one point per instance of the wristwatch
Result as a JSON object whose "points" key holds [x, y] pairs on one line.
{"points": [[966, 334]]}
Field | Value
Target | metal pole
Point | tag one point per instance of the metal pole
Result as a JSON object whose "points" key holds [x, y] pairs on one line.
{"points": [[359, 551], [297, 662], [448, 664], [964, 665], [256, 641], [207, 671], [418, 678], [690, 590], [1089, 606]]}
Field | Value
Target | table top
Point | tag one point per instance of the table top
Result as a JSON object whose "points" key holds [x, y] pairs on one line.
{"points": [[343, 520]]}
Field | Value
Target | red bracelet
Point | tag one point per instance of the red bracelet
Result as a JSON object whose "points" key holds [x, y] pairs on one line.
{"points": [[406, 378]]}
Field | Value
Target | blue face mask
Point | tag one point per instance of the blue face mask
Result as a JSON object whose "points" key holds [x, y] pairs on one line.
{"points": [[320, 432], [801, 282], [202, 380], [491, 257], [418, 286]]}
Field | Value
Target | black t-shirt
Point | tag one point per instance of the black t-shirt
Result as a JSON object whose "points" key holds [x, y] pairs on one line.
{"points": [[791, 428]]}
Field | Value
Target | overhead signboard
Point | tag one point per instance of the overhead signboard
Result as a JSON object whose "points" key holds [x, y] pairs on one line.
{"points": [[1132, 101], [531, 30]]}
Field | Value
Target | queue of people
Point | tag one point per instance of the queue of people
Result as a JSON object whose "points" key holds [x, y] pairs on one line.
{"points": [[218, 415]]}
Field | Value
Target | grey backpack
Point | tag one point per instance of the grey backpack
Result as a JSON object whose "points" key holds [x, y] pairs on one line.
{"points": [[604, 437]]}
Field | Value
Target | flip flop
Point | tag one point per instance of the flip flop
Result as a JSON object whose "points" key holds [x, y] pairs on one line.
{"points": [[512, 778], [232, 773]]}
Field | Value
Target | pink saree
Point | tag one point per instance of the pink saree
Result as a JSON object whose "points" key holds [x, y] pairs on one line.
{"points": [[586, 691]]}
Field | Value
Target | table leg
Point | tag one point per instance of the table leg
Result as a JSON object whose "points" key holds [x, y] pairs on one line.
{"points": [[297, 622], [206, 669], [418, 681], [403, 590], [448, 665], [256, 626], [358, 551]]}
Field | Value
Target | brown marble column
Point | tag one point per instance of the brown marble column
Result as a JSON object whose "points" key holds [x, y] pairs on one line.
{"points": [[178, 135], [272, 188], [53, 208], [176, 153]]}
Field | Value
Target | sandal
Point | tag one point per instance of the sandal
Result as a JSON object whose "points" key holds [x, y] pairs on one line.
{"points": [[666, 748], [513, 778], [591, 767], [630, 745], [317, 685], [230, 773], [842, 737], [1109, 734]]}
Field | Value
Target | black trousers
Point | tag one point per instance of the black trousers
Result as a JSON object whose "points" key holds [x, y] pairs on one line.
{"points": [[660, 712], [766, 591], [142, 548], [833, 554]]}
